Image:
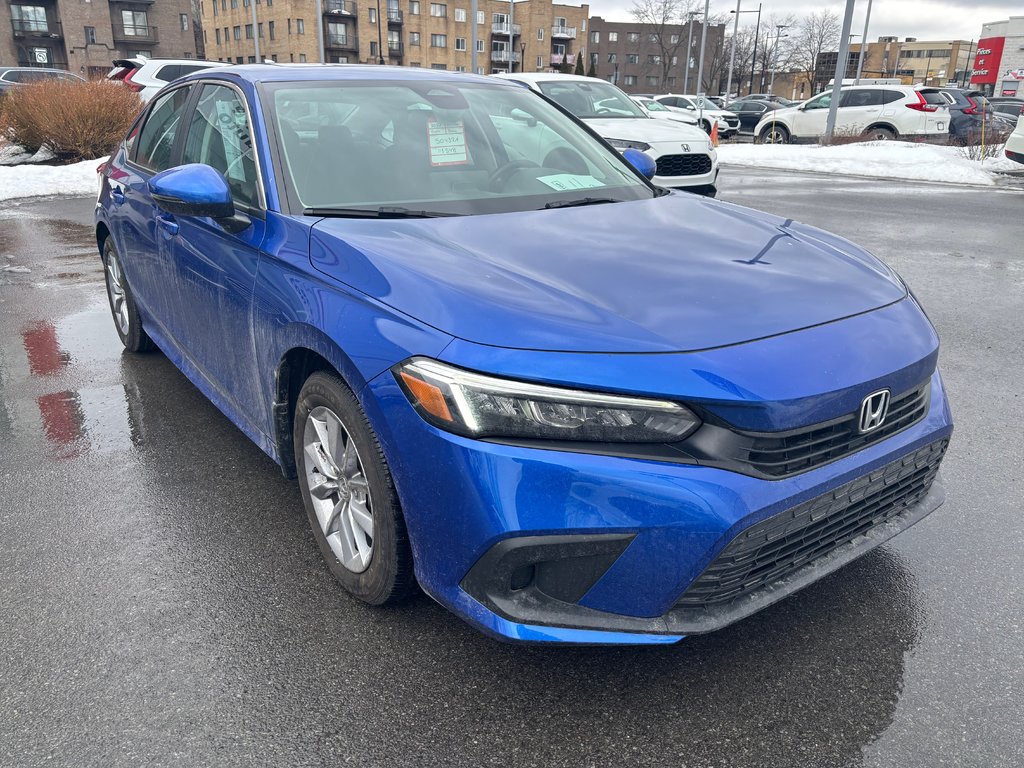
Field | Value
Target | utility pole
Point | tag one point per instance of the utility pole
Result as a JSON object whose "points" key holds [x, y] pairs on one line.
{"points": [[511, 37], [689, 50], [775, 53], [473, 6], [255, 30], [841, 65], [753, 60], [319, 27], [380, 36], [703, 42], [732, 53], [863, 45]]}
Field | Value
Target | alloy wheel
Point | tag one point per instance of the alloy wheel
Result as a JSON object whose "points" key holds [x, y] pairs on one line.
{"points": [[116, 290], [338, 489]]}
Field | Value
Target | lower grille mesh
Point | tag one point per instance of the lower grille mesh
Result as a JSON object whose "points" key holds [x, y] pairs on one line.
{"points": [[780, 545]]}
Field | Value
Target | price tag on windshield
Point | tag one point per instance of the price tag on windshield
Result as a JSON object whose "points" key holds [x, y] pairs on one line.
{"points": [[447, 143], [563, 182]]}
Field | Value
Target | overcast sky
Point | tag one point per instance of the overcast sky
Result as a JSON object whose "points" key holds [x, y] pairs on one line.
{"points": [[925, 20]]}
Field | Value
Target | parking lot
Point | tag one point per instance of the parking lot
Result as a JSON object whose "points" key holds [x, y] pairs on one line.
{"points": [[164, 602]]}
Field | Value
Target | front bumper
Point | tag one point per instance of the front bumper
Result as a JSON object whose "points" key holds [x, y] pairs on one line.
{"points": [[549, 546]]}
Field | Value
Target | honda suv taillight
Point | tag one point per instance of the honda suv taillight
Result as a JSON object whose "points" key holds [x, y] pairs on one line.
{"points": [[922, 105], [973, 109], [132, 85]]}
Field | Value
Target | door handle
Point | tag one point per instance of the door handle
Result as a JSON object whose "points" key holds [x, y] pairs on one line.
{"points": [[168, 224], [116, 195]]}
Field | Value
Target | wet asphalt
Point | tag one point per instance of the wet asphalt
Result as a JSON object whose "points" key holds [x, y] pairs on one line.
{"points": [[162, 601]]}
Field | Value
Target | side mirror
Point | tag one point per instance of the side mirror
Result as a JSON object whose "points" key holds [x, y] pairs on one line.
{"points": [[192, 190], [643, 162]]}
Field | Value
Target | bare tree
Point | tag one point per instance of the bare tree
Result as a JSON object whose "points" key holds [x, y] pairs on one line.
{"points": [[816, 33], [663, 22]]}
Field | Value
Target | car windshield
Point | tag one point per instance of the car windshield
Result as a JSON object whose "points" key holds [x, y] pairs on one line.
{"points": [[455, 148], [654, 106], [590, 99]]}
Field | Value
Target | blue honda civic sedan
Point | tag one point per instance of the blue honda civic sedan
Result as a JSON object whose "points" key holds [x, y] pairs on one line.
{"points": [[570, 405]]}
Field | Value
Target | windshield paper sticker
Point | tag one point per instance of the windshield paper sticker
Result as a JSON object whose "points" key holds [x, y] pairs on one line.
{"points": [[563, 182], [447, 143]]}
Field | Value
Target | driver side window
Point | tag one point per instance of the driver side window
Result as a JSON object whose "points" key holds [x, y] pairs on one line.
{"points": [[219, 136], [156, 140], [820, 102]]}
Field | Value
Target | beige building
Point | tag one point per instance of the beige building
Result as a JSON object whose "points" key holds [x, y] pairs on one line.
{"points": [[85, 37], [408, 32], [927, 62]]}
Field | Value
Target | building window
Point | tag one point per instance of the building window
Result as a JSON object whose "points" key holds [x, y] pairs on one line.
{"points": [[234, 4], [613, 37], [439, 66], [595, 37], [289, 26], [480, 20], [612, 58], [302, 58], [248, 31], [653, 58], [652, 37], [460, 14], [674, 39], [300, 27], [670, 82], [237, 32], [183, 18], [632, 58], [90, 35], [414, 7], [675, 60], [438, 9], [479, 46], [216, 34], [540, 33], [652, 79], [259, 29], [460, 43], [272, 31], [460, 68], [439, 41], [273, 57], [629, 80], [373, 15], [214, 4], [540, 62], [373, 49], [136, 23], [634, 37]]}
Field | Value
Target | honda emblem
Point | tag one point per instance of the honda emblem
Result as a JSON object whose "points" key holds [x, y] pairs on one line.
{"points": [[873, 410]]}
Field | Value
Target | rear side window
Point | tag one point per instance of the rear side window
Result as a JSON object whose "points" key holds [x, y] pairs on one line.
{"points": [[188, 69], [888, 97], [168, 72], [156, 140], [862, 97], [935, 97]]}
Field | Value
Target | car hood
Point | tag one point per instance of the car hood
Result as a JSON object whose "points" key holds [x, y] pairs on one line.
{"points": [[671, 274], [645, 129]]}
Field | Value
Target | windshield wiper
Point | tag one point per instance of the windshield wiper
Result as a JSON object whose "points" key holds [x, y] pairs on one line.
{"points": [[381, 212], [580, 201]]}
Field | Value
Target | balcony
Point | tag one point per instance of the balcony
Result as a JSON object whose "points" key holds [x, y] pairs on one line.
{"points": [[135, 34], [501, 28], [556, 58], [341, 42], [395, 49], [339, 8], [24, 29], [564, 33], [394, 16], [503, 57]]}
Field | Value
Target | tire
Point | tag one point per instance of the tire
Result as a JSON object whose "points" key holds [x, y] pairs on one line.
{"points": [[774, 134], [706, 127], [348, 493], [880, 133], [123, 310]]}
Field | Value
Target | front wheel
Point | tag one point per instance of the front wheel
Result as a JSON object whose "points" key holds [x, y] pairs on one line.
{"points": [[127, 321], [774, 134], [348, 493]]}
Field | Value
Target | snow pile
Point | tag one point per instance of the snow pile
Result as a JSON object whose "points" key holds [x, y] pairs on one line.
{"points": [[12, 154], [47, 180], [883, 159]]}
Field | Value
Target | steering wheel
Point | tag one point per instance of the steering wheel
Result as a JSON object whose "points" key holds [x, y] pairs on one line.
{"points": [[500, 176], [603, 111]]}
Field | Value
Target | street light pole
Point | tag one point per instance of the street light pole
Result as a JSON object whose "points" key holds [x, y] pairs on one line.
{"points": [[732, 53], [842, 62], [863, 45], [255, 30], [511, 41], [473, 9], [753, 60], [380, 36], [775, 53], [319, 27], [689, 50], [703, 42]]}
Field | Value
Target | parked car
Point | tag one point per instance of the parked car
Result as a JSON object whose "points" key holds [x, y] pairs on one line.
{"points": [[573, 406], [882, 112], [661, 112], [12, 77], [750, 111], [781, 101], [147, 76], [970, 115], [683, 154], [1014, 148], [1011, 106], [728, 123]]}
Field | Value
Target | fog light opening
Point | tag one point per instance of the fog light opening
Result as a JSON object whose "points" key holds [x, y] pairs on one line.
{"points": [[522, 577]]}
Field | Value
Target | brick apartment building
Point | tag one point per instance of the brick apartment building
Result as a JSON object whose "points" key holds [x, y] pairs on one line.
{"points": [[641, 59], [409, 32], [85, 37]]}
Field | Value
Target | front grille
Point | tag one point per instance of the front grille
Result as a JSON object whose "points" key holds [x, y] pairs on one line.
{"points": [[775, 548], [683, 165], [784, 453]]}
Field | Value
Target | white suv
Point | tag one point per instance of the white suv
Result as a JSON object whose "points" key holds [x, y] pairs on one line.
{"points": [[879, 111], [728, 122], [1014, 148], [683, 153], [147, 76]]}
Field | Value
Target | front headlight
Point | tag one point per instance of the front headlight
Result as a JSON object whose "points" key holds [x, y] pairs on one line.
{"points": [[623, 144], [476, 405]]}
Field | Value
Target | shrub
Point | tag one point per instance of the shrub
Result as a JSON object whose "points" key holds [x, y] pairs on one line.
{"points": [[76, 121]]}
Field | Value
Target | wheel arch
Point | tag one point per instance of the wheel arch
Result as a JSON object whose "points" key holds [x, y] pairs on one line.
{"points": [[883, 124], [102, 233]]}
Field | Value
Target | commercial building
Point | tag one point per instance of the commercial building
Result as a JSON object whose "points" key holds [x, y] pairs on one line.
{"points": [[999, 60], [925, 62], [535, 35], [641, 58], [85, 37]]}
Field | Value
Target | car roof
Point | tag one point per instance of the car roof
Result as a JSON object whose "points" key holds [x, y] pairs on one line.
{"points": [[286, 73], [547, 77], [4, 70]]}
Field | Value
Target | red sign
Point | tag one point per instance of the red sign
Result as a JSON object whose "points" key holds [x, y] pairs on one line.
{"points": [[986, 61]]}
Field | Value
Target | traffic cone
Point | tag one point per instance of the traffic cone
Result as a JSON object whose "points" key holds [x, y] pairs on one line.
{"points": [[714, 134]]}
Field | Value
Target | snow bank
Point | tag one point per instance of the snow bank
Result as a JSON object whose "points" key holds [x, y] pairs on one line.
{"points": [[883, 159], [40, 180]]}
